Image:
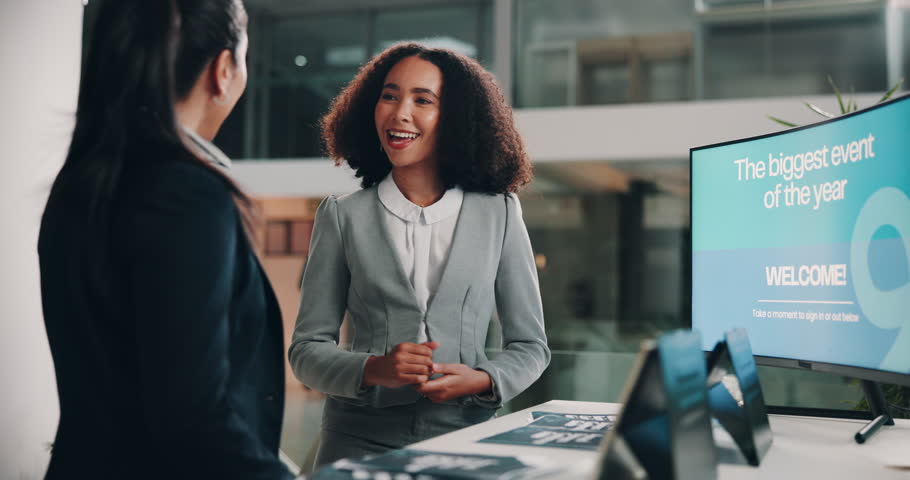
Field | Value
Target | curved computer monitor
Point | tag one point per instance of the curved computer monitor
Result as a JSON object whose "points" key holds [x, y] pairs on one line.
{"points": [[803, 239]]}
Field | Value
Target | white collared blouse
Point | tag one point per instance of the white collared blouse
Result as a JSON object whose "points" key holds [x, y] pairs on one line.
{"points": [[422, 238]]}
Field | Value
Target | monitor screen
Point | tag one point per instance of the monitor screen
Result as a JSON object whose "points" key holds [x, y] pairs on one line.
{"points": [[803, 239]]}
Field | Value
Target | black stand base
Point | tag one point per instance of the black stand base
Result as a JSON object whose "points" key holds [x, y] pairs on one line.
{"points": [[878, 407], [878, 412]]}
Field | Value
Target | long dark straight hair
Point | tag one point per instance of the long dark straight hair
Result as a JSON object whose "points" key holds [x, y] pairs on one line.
{"points": [[143, 56]]}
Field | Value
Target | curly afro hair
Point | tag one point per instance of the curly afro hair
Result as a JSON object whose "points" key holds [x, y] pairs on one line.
{"points": [[479, 148]]}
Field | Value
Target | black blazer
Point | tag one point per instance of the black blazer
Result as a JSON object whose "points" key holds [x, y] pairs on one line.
{"points": [[175, 371]]}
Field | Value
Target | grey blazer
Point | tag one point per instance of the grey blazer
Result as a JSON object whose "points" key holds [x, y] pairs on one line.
{"points": [[352, 267]]}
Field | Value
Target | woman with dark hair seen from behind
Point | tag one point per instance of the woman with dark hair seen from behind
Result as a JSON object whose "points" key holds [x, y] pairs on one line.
{"points": [[419, 258], [165, 333]]}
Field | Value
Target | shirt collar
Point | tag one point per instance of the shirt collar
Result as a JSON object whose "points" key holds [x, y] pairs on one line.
{"points": [[396, 203], [212, 153]]}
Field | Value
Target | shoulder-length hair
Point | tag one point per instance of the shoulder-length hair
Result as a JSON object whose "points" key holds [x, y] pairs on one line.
{"points": [[478, 146]]}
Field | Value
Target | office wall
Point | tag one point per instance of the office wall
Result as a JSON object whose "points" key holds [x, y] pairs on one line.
{"points": [[316, 177], [40, 45], [659, 131]]}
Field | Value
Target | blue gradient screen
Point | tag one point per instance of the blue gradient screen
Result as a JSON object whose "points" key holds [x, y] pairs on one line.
{"points": [[803, 239]]}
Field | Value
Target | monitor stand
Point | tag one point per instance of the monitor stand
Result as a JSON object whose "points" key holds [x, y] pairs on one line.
{"points": [[879, 409]]}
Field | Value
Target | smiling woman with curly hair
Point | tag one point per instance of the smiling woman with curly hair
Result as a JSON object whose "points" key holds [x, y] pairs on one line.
{"points": [[478, 147], [419, 258]]}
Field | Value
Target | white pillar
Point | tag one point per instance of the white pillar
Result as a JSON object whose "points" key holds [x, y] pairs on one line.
{"points": [[40, 48], [502, 45], [895, 31]]}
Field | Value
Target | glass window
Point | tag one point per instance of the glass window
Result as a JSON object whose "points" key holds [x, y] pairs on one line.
{"points": [[610, 244], [905, 32], [460, 28], [303, 60], [587, 52], [310, 60], [794, 57], [594, 52]]}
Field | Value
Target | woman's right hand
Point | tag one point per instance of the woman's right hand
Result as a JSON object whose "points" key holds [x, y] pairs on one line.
{"points": [[407, 364]]}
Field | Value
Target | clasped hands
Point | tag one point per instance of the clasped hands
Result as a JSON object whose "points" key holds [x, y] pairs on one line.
{"points": [[412, 364]]}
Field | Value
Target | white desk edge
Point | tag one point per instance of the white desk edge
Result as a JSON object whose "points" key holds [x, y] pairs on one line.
{"points": [[804, 447]]}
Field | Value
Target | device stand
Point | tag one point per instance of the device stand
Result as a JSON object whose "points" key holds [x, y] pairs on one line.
{"points": [[742, 414], [620, 463], [664, 430], [737, 423], [878, 407]]}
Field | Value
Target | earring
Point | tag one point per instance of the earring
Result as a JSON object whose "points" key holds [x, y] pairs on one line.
{"points": [[220, 100]]}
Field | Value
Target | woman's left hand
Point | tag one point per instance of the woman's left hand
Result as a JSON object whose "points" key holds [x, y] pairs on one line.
{"points": [[457, 380]]}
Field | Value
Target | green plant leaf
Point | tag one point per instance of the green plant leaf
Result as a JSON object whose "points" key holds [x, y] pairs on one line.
{"points": [[850, 107], [818, 110], [840, 99], [891, 92], [782, 122]]}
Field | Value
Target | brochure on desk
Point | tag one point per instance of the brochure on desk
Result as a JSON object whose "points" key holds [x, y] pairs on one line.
{"points": [[409, 464], [558, 430]]}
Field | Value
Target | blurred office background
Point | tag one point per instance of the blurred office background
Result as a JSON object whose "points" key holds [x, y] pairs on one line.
{"points": [[609, 95]]}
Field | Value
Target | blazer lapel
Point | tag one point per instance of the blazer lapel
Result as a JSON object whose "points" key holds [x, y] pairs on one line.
{"points": [[388, 261], [457, 273], [443, 315]]}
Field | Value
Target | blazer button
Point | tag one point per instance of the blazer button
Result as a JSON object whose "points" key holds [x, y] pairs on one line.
{"points": [[270, 397]]}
